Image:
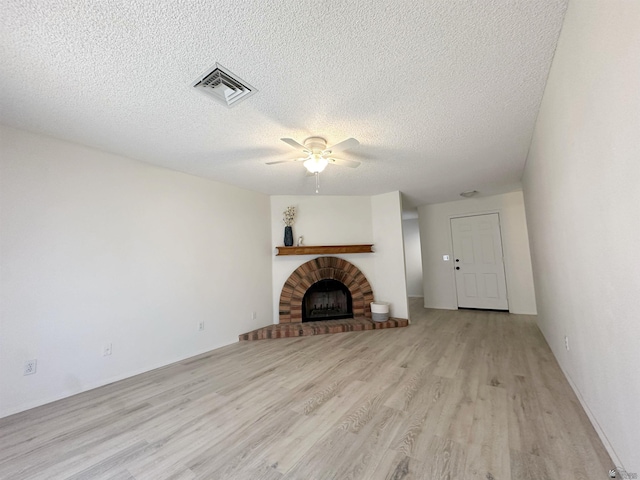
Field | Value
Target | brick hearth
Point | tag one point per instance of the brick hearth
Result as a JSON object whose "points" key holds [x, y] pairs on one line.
{"points": [[283, 330]]}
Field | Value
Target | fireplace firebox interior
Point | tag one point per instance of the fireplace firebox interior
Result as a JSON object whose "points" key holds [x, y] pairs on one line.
{"points": [[327, 300]]}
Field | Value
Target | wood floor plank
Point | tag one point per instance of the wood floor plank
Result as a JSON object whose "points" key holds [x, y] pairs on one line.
{"points": [[457, 416], [449, 362], [409, 385], [397, 466], [369, 445], [309, 429], [158, 466], [526, 430], [444, 460], [123, 475], [422, 418], [457, 394], [356, 451], [486, 462], [490, 420], [525, 466]]}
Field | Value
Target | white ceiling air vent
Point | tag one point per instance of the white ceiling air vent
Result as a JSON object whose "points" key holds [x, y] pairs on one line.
{"points": [[226, 87]]}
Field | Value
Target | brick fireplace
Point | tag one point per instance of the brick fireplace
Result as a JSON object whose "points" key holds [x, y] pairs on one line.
{"points": [[323, 269]]}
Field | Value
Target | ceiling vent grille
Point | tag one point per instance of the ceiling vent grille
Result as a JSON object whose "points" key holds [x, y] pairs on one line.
{"points": [[224, 86]]}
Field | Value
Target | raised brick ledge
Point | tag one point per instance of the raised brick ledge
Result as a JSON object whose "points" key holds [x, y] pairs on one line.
{"points": [[284, 330]]}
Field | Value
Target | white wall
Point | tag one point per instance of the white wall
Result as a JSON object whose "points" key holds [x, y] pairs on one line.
{"points": [[413, 256], [391, 278], [583, 208], [321, 220], [98, 249], [435, 235], [335, 220]]}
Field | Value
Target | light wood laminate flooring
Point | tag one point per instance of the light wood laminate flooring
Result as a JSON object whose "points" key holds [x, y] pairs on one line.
{"points": [[456, 395]]}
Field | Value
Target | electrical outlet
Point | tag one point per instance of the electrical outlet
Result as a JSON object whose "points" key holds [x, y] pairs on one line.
{"points": [[107, 350], [30, 367], [201, 326], [566, 342]]}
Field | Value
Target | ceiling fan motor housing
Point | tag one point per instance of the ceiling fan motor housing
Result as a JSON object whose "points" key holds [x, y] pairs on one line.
{"points": [[315, 144]]}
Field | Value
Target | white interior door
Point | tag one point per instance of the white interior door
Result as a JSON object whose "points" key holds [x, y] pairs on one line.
{"points": [[479, 268]]}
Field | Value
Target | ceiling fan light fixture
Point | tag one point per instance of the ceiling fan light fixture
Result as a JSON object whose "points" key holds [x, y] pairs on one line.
{"points": [[316, 163]]}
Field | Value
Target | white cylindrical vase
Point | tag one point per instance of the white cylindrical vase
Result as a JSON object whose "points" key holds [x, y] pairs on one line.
{"points": [[380, 311]]}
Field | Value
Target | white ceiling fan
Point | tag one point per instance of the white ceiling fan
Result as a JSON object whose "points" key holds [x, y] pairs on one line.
{"points": [[318, 155]]}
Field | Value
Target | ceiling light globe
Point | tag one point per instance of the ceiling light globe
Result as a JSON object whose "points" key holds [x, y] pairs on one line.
{"points": [[316, 163]]}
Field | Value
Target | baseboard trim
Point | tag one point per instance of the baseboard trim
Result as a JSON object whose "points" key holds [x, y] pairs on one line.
{"points": [[592, 418]]}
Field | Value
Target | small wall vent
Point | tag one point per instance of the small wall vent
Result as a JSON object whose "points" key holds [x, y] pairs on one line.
{"points": [[224, 86]]}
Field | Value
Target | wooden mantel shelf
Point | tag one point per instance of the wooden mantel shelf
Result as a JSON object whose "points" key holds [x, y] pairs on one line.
{"points": [[324, 249]]}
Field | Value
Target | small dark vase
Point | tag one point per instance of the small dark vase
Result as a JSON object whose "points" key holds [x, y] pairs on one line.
{"points": [[288, 237]]}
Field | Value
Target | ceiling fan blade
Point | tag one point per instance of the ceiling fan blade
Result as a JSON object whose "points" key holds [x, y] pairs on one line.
{"points": [[279, 161], [344, 145], [344, 163], [286, 161], [294, 144]]}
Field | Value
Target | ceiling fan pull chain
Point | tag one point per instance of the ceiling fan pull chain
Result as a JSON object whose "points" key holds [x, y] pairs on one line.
{"points": [[317, 182]]}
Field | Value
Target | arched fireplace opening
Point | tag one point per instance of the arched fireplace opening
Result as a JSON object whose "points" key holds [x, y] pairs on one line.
{"points": [[327, 300], [324, 268]]}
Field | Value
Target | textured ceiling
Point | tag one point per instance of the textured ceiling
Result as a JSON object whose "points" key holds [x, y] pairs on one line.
{"points": [[442, 94]]}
